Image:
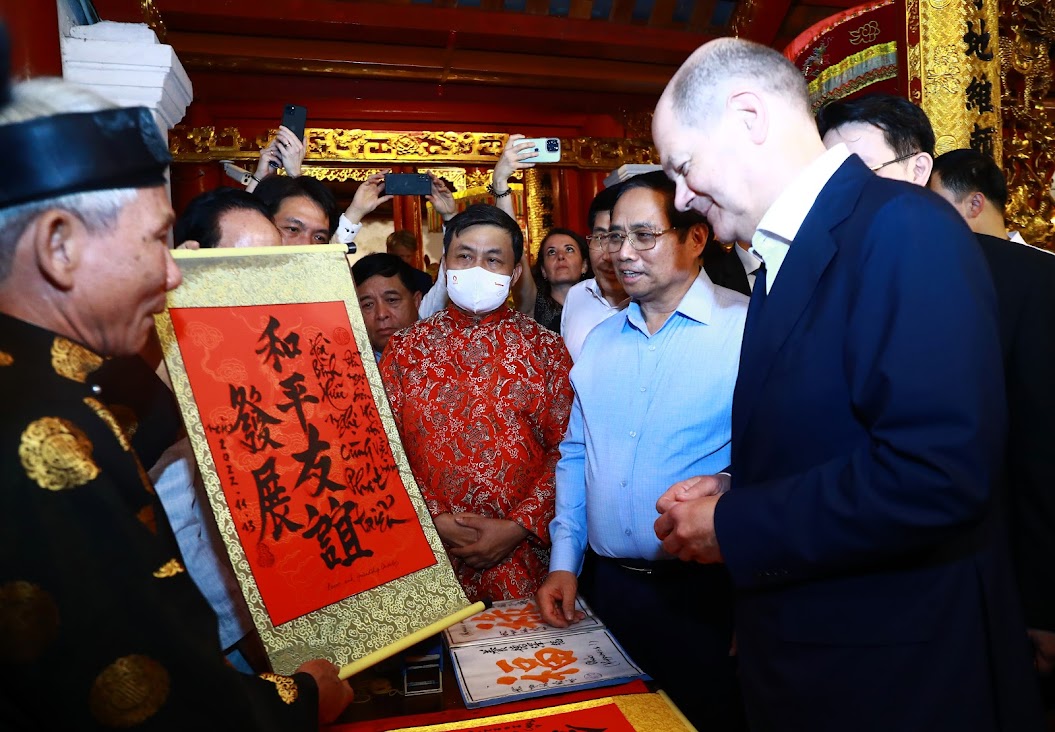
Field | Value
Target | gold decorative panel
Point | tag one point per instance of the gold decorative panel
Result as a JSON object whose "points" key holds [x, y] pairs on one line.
{"points": [[380, 148], [954, 73], [1026, 39]]}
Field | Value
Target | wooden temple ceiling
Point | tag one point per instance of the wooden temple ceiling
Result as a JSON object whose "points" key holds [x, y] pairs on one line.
{"points": [[605, 46]]}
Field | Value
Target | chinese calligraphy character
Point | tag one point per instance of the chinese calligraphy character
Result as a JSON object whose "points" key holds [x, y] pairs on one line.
{"points": [[554, 664], [514, 618], [313, 459], [276, 348], [273, 500], [338, 521], [979, 94], [293, 388], [982, 139], [978, 43], [253, 422]]}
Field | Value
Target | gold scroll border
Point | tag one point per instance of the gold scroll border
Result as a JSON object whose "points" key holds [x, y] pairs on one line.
{"points": [[645, 712], [348, 629], [380, 148]]}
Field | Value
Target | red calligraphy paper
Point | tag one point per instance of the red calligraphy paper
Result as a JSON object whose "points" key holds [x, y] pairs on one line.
{"points": [[301, 452], [604, 718]]}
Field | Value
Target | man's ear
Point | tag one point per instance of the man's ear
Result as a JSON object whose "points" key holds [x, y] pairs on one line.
{"points": [[922, 165], [57, 239], [417, 299], [750, 109], [697, 238], [517, 271], [975, 205]]}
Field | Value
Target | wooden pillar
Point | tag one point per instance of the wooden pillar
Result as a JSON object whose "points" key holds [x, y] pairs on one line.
{"points": [[571, 195], [412, 223], [34, 29]]}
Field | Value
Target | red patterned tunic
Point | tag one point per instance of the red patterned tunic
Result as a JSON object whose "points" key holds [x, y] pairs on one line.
{"points": [[482, 408]]}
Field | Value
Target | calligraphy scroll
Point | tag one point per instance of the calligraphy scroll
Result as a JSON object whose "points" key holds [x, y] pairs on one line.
{"points": [[328, 534]]}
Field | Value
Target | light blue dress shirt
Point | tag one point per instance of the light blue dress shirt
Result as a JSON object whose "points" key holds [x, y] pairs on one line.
{"points": [[179, 488], [649, 410]]}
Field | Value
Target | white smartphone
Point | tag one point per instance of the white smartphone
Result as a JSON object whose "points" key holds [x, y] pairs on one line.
{"points": [[548, 149]]}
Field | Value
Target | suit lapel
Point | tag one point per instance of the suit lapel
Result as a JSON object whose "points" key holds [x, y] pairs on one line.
{"points": [[808, 257]]}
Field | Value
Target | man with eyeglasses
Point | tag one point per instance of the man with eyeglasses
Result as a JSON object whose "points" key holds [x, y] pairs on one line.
{"points": [[653, 402], [594, 300], [890, 134]]}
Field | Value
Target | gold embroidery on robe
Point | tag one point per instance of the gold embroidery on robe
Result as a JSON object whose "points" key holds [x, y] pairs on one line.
{"points": [[56, 454], [6, 359], [123, 438], [107, 416], [129, 691], [72, 360], [29, 621], [284, 685], [169, 569], [125, 417]]}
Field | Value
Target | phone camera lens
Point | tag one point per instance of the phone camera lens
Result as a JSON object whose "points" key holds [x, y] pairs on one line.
{"points": [[552, 146]]}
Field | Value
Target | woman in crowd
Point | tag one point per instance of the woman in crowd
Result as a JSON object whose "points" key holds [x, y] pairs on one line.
{"points": [[562, 261]]}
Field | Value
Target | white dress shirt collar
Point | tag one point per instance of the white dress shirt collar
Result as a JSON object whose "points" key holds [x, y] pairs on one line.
{"points": [[781, 223]]}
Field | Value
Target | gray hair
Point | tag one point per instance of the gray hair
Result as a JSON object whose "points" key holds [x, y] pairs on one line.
{"points": [[714, 65], [98, 210]]}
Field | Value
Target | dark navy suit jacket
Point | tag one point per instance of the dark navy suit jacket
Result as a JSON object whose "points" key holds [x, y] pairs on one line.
{"points": [[874, 592]]}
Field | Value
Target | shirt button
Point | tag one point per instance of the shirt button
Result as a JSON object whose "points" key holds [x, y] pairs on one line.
{"points": [[623, 483], [651, 348], [633, 434], [644, 388], [627, 532]]}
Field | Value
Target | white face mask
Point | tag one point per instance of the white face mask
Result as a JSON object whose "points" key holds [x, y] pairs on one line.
{"points": [[477, 290]]}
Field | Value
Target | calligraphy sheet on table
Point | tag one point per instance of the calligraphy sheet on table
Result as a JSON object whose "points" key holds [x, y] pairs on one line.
{"points": [[506, 653], [332, 544], [508, 619], [629, 713]]}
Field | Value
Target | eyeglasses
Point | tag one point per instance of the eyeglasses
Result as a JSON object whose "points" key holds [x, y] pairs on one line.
{"points": [[877, 168], [640, 239]]}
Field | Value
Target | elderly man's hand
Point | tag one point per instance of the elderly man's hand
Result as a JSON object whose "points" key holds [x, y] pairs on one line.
{"points": [[498, 538], [334, 693], [686, 528], [691, 488]]}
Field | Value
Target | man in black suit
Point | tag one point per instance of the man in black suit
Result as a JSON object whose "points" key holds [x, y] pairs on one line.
{"points": [[873, 586], [733, 267], [1025, 288]]}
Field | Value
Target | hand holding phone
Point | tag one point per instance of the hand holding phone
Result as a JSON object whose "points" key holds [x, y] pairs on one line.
{"points": [[407, 184], [547, 149], [290, 146]]}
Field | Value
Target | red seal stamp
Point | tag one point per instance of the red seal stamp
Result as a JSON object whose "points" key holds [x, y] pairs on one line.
{"points": [[341, 336]]}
